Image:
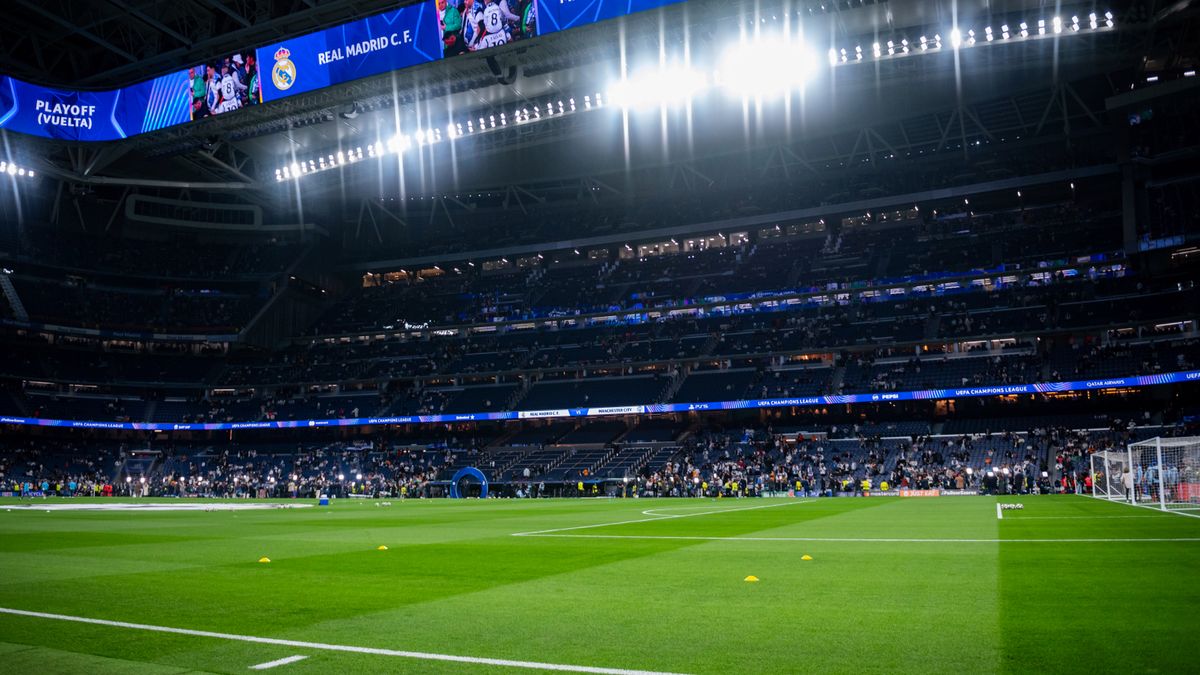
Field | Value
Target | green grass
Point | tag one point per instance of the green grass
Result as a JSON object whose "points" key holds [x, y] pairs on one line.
{"points": [[454, 581]]}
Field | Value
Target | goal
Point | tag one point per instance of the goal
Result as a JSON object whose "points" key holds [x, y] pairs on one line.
{"points": [[1162, 473]]}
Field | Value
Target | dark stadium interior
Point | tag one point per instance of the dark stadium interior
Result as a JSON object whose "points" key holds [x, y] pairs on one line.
{"points": [[1025, 213]]}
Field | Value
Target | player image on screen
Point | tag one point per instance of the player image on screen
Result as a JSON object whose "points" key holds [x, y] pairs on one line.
{"points": [[225, 85], [472, 25]]}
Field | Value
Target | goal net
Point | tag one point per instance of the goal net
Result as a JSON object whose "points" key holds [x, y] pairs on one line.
{"points": [[1166, 473], [1112, 476]]}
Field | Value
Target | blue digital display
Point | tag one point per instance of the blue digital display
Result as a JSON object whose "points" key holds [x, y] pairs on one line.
{"points": [[556, 15], [408, 36], [378, 44], [1132, 381], [94, 115]]}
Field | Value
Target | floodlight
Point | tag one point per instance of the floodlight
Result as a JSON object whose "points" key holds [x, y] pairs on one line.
{"points": [[669, 86], [400, 142], [767, 66], [955, 38], [1057, 23], [358, 476], [341, 476], [12, 169]]}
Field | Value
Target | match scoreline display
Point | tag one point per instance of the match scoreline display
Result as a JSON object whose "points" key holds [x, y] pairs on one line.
{"points": [[407, 36], [1135, 381]]}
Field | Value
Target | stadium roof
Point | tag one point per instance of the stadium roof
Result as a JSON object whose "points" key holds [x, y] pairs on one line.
{"points": [[891, 101]]}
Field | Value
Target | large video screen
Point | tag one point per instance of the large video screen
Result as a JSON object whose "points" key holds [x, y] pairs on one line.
{"points": [[559, 15], [226, 84], [473, 25], [411, 35], [94, 115], [377, 44]]}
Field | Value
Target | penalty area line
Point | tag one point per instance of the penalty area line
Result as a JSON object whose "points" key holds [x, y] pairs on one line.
{"points": [[425, 656], [655, 517], [879, 540]]}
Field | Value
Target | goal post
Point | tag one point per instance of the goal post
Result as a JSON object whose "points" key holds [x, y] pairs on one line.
{"points": [[1165, 473]]}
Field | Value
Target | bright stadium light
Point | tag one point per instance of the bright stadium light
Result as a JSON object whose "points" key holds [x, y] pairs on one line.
{"points": [[669, 86], [955, 38], [767, 66], [399, 143]]}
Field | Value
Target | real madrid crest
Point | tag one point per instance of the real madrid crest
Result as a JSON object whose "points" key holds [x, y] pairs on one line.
{"points": [[283, 75]]}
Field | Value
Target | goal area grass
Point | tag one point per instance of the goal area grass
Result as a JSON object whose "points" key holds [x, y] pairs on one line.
{"points": [[947, 584]]}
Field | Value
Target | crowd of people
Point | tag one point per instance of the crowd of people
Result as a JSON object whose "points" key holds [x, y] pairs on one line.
{"points": [[225, 85], [751, 462]]}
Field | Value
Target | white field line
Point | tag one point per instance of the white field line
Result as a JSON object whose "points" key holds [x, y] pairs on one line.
{"points": [[425, 656], [999, 512], [654, 518], [154, 507], [1019, 517], [1147, 506], [884, 540], [278, 662]]}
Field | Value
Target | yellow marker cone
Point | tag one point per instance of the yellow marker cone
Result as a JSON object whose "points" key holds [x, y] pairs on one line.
{"points": [[264, 559], [381, 548], [751, 578], [806, 557]]}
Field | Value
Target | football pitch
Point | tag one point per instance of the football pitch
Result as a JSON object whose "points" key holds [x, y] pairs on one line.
{"points": [[946, 584]]}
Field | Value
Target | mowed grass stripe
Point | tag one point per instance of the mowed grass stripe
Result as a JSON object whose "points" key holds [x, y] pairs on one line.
{"points": [[465, 586], [322, 646]]}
